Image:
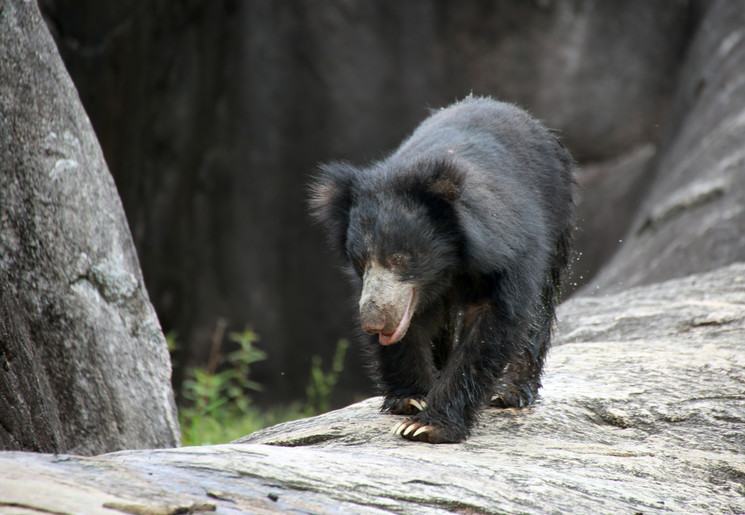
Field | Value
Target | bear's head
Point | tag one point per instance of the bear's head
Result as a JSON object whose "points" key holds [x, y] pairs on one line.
{"points": [[399, 230]]}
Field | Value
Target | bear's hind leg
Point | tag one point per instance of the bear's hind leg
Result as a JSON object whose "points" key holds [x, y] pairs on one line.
{"points": [[518, 386], [521, 379]]}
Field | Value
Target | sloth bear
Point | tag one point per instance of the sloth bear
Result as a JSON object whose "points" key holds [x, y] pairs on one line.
{"points": [[457, 242]]}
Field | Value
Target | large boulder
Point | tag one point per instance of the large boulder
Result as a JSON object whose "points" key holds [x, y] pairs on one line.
{"points": [[692, 217], [84, 366], [641, 412]]}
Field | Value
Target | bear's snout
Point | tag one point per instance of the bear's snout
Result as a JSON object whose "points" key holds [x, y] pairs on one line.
{"points": [[372, 318], [386, 304]]}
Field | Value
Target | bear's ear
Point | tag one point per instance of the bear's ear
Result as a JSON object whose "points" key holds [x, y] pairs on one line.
{"points": [[445, 179], [331, 199]]}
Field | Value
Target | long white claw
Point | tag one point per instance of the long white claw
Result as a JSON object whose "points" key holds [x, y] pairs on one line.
{"points": [[408, 429], [418, 405], [401, 427], [396, 428], [421, 430], [494, 397]]}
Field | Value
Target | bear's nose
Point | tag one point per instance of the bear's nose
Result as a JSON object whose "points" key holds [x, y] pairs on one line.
{"points": [[372, 318]]}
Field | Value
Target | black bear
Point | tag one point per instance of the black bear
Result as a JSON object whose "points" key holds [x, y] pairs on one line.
{"points": [[457, 242]]}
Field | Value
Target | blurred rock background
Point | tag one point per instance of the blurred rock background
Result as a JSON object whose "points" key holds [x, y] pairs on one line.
{"points": [[213, 114]]}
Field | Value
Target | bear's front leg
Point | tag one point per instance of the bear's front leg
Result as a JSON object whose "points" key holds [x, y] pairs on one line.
{"points": [[465, 383], [406, 373]]}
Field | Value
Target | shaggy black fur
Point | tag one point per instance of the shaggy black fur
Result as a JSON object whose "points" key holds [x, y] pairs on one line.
{"points": [[475, 210]]}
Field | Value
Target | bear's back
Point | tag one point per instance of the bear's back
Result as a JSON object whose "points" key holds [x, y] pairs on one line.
{"points": [[517, 175]]}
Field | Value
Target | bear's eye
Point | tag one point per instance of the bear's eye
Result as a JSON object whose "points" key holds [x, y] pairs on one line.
{"points": [[399, 262]]}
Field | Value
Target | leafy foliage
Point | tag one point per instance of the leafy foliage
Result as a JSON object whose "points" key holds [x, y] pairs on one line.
{"points": [[321, 384], [219, 408]]}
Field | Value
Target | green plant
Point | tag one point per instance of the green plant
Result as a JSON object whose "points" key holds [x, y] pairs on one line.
{"points": [[222, 426], [171, 341], [242, 359], [220, 396], [321, 384], [219, 408]]}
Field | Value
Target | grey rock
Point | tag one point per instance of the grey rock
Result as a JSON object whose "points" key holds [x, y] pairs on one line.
{"points": [[84, 366], [692, 218], [608, 195], [642, 411]]}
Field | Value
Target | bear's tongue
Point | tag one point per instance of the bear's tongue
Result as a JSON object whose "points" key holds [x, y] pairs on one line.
{"points": [[403, 325]]}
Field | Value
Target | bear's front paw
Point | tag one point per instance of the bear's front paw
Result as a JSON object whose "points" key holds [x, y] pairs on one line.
{"points": [[404, 406], [412, 430], [422, 432]]}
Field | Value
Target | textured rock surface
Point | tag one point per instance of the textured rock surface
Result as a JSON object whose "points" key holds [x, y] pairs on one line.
{"points": [[643, 411], [84, 366], [608, 195], [692, 218]]}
